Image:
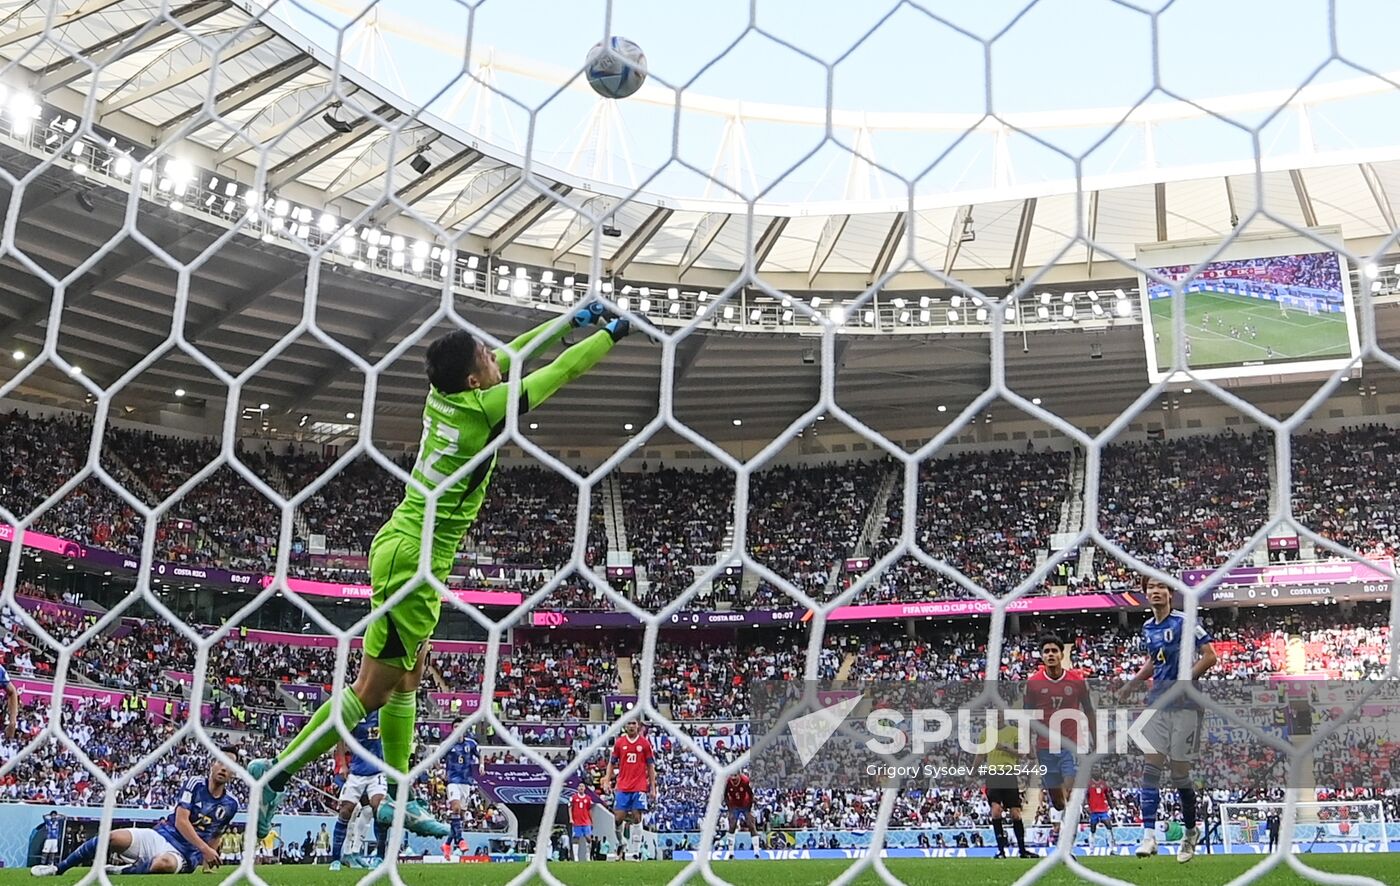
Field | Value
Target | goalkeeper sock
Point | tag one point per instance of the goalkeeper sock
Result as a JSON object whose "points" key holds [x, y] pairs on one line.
{"points": [[304, 750], [338, 839], [396, 722], [381, 836], [1187, 792], [1151, 796], [1020, 828], [82, 856], [999, 828]]}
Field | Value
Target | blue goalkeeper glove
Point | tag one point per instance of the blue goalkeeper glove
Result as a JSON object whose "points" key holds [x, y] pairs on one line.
{"points": [[588, 314], [618, 328]]}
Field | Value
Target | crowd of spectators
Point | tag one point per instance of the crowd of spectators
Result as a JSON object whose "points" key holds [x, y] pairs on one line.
{"points": [[986, 514], [1345, 487], [1183, 503], [714, 681], [803, 523], [669, 540]]}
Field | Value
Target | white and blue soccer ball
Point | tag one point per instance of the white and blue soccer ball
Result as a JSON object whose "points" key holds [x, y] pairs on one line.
{"points": [[617, 68]]}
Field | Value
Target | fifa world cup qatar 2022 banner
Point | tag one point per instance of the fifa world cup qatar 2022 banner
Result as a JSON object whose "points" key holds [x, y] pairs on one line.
{"points": [[521, 783]]}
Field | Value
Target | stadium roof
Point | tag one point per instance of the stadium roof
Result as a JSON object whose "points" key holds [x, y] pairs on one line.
{"points": [[272, 91]]}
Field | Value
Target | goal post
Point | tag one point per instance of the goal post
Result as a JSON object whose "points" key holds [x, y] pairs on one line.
{"points": [[1331, 821]]}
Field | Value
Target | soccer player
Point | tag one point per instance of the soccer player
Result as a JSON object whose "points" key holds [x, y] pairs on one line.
{"points": [[53, 831], [463, 764], [204, 810], [364, 786], [1174, 730], [1098, 811], [11, 703], [465, 410], [1003, 787], [581, 820], [634, 764], [1051, 690], [738, 799]]}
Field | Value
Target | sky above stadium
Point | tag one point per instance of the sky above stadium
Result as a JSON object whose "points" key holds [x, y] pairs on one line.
{"points": [[893, 72]]}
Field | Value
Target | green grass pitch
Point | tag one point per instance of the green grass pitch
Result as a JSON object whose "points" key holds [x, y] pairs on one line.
{"points": [[1164, 870], [1295, 337]]}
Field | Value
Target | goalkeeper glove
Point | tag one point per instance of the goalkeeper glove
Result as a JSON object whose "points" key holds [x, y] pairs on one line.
{"points": [[618, 328], [588, 314]]}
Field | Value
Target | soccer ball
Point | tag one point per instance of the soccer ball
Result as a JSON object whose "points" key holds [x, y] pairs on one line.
{"points": [[616, 69]]}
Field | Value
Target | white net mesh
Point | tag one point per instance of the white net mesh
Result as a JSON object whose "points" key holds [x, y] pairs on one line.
{"points": [[234, 165]]}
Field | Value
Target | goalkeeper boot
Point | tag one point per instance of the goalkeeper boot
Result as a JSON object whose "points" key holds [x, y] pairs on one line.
{"points": [[267, 809], [1187, 850], [416, 818], [1148, 847], [335, 866], [358, 862]]}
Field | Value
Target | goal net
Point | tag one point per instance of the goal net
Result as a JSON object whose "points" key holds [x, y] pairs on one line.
{"points": [[889, 402], [1357, 823]]}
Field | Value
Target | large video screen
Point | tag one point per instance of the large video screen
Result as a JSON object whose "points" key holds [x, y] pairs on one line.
{"points": [[1262, 308]]}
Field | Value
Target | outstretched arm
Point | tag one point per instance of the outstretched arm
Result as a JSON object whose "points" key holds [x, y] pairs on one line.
{"points": [[546, 381], [584, 316]]}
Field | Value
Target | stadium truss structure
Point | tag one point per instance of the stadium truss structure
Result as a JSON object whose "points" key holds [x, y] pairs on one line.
{"points": [[209, 133]]}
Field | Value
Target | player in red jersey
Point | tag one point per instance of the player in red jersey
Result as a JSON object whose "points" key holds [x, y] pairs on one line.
{"points": [[738, 799], [634, 764], [581, 819], [1050, 690], [1098, 811]]}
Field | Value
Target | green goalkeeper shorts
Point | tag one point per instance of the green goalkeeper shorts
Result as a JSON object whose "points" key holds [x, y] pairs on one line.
{"points": [[396, 637]]}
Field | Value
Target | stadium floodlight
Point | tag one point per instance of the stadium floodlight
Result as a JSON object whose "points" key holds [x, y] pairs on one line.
{"points": [[838, 314], [729, 312], [738, 422], [418, 264], [472, 262], [547, 276], [396, 243], [924, 301], [521, 289], [952, 316], [1045, 298], [816, 301], [280, 208], [787, 315], [326, 223], [898, 302], [869, 317], [372, 253], [122, 166], [18, 355], [1370, 269], [502, 284], [625, 303], [675, 309], [1123, 308], [568, 282], [904, 316], [420, 248], [942, 408], [981, 315], [1035, 401], [179, 392], [1068, 312], [956, 301], [755, 315], [645, 305], [1043, 312], [350, 415], [673, 293]]}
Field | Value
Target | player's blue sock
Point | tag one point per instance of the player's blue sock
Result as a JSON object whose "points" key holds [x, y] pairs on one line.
{"points": [[381, 835], [80, 857], [1151, 796], [141, 867], [1187, 792], [456, 823], [338, 839]]}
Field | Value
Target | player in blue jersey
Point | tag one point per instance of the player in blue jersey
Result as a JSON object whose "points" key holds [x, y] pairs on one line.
{"points": [[186, 841], [463, 764], [1174, 730], [53, 832], [11, 703], [365, 788]]}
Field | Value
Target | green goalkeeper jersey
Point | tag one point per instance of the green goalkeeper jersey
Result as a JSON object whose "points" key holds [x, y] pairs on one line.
{"points": [[456, 427]]}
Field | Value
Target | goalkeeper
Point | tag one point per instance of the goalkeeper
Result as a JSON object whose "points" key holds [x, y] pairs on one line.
{"points": [[464, 412]]}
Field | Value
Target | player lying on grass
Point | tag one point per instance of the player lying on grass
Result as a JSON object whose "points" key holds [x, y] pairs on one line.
{"points": [[464, 412], [1174, 731], [185, 842]]}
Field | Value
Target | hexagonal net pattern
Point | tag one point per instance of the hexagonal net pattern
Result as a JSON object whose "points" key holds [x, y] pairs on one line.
{"points": [[63, 113]]}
